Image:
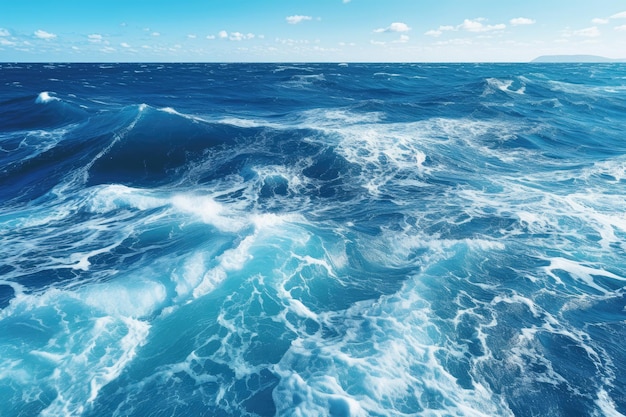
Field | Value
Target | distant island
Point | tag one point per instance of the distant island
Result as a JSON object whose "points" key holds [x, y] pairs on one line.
{"points": [[573, 58]]}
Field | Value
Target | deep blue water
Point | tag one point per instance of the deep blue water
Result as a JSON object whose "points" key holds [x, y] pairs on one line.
{"points": [[312, 240]]}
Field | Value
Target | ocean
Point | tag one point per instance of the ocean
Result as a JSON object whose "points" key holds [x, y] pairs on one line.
{"points": [[312, 240]]}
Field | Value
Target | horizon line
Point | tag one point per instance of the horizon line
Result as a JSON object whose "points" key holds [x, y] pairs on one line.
{"points": [[608, 61]]}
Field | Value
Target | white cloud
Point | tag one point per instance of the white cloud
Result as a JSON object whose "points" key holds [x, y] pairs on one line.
{"points": [[621, 28], [621, 15], [456, 41], [95, 38], [346, 1], [236, 36], [377, 43], [433, 32], [438, 32], [295, 19], [293, 41], [476, 25], [42, 34], [191, 36], [4, 32], [522, 21], [599, 21], [394, 27], [5, 42], [591, 32], [124, 45], [284, 41], [472, 25], [108, 50], [399, 27], [156, 34], [402, 39]]}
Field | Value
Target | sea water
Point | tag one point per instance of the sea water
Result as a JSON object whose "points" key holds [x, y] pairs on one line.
{"points": [[312, 240]]}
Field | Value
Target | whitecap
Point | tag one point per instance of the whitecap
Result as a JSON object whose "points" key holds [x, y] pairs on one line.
{"points": [[46, 97], [209, 211], [137, 299], [506, 86], [607, 405], [579, 271]]}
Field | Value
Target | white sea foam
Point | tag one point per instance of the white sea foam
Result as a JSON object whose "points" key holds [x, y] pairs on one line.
{"points": [[231, 260], [389, 369], [236, 258], [248, 123], [81, 376], [333, 119], [190, 275], [607, 405], [548, 211], [292, 175], [107, 198], [437, 248], [584, 89], [614, 169], [46, 97], [209, 211], [137, 300], [40, 141], [192, 117], [75, 352], [311, 402], [391, 364], [203, 207], [580, 272], [518, 299], [387, 152], [503, 85]]}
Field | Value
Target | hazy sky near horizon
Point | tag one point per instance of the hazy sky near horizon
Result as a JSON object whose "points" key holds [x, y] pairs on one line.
{"points": [[308, 30]]}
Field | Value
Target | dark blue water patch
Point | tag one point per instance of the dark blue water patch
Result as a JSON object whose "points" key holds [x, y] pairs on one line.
{"points": [[548, 399], [6, 294], [27, 113], [598, 313], [6, 269], [38, 172], [157, 146]]}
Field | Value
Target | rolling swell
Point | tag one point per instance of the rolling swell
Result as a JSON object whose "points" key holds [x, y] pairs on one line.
{"points": [[158, 144], [312, 239]]}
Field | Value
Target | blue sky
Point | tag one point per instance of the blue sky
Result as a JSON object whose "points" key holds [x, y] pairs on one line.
{"points": [[308, 30]]}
